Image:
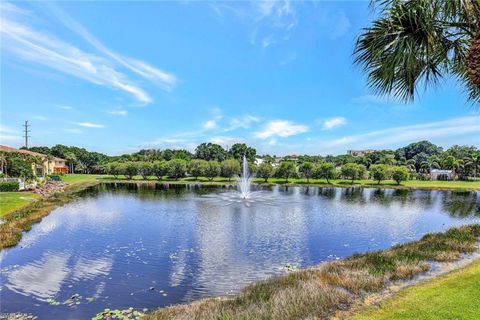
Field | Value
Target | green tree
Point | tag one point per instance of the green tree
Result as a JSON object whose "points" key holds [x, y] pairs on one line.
{"points": [[414, 43], [210, 151], [265, 170], [145, 169], [307, 169], [196, 167], [114, 169], [286, 170], [130, 170], [350, 170], [399, 174], [177, 168], [238, 150], [159, 169], [326, 170], [212, 170], [379, 172], [230, 167]]}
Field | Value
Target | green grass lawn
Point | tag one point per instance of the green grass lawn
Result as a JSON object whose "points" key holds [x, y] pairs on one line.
{"points": [[453, 296], [79, 178], [11, 201], [467, 185]]}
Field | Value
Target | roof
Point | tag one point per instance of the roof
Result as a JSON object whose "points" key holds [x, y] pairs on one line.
{"points": [[32, 153], [440, 171]]}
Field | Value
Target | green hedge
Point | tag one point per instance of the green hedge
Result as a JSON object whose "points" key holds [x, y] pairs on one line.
{"points": [[6, 186]]}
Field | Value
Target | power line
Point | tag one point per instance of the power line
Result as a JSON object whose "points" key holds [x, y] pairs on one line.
{"points": [[26, 131]]}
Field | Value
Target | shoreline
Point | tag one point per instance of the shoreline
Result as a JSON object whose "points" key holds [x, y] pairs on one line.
{"points": [[15, 223], [339, 289], [291, 184]]}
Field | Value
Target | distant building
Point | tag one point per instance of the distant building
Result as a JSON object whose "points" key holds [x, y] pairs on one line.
{"points": [[49, 166], [438, 174], [360, 153]]}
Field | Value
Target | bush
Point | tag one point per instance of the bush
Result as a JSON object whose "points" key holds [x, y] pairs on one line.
{"points": [[177, 168], [265, 171], [212, 170], [197, 168], [9, 186], [400, 174], [379, 172], [230, 168]]}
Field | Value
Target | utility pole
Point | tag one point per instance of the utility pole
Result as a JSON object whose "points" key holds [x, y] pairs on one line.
{"points": [[26, 131]]}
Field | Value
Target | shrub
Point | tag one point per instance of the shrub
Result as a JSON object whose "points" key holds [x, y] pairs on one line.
{"points": [[326, 171], [159, 169], [307, 170], [130, 169], [230, 168], [212, 170], [350, 170], [176, 168], [265, 171], [197, 168], [9, 186], [379, 172], [144, 169], [399, 174], [286, 169]]}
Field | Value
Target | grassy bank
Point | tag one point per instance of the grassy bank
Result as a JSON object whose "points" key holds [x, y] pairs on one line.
{"points": [[12, 201], [452, 296], [22, 219], [321, 291]]}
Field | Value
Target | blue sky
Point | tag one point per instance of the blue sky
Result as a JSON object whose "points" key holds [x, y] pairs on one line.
{"points": [[119, 77]]}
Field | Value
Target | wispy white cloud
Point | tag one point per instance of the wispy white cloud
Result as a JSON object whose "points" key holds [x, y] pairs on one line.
{"points": [[118, 112], [26, 42], [40, 117], [280, 128], [333, 122], [267, 22], [73, 130], [226, 141], [89, 125], [210, 124], [243, 122], [9, 134], [387, 138], [65, 107], [163, 78]]}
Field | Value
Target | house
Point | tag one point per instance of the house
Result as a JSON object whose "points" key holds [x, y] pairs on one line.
{"points": [[359, 153], [50, 165], [438, 174]]}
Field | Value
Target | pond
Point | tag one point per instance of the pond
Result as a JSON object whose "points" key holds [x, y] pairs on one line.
{"points": [[147, 246]]}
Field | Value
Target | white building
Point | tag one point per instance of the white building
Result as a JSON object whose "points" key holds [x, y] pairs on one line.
{"points": [[438, 174]]}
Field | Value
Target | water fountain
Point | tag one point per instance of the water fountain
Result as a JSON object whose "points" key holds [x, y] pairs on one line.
{"points": [[244, 194], [245, 180]]}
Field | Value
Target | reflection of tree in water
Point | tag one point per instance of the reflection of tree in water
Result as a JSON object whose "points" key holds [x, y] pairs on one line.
{"points": [[328, 193], [462, 204], [353, 194], [387, 196]]}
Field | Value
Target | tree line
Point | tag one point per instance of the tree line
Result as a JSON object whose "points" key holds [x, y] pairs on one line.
{"points": [[211, 160]]}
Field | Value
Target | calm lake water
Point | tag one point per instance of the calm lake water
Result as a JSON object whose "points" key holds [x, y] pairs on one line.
{"points": [[121, 246]]}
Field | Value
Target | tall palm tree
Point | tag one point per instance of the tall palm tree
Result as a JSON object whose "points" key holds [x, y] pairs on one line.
{"points": [[418, 42]]}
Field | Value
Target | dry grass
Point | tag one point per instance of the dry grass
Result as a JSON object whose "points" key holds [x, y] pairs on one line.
{"points": [[22, 219], [317, 293]]}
